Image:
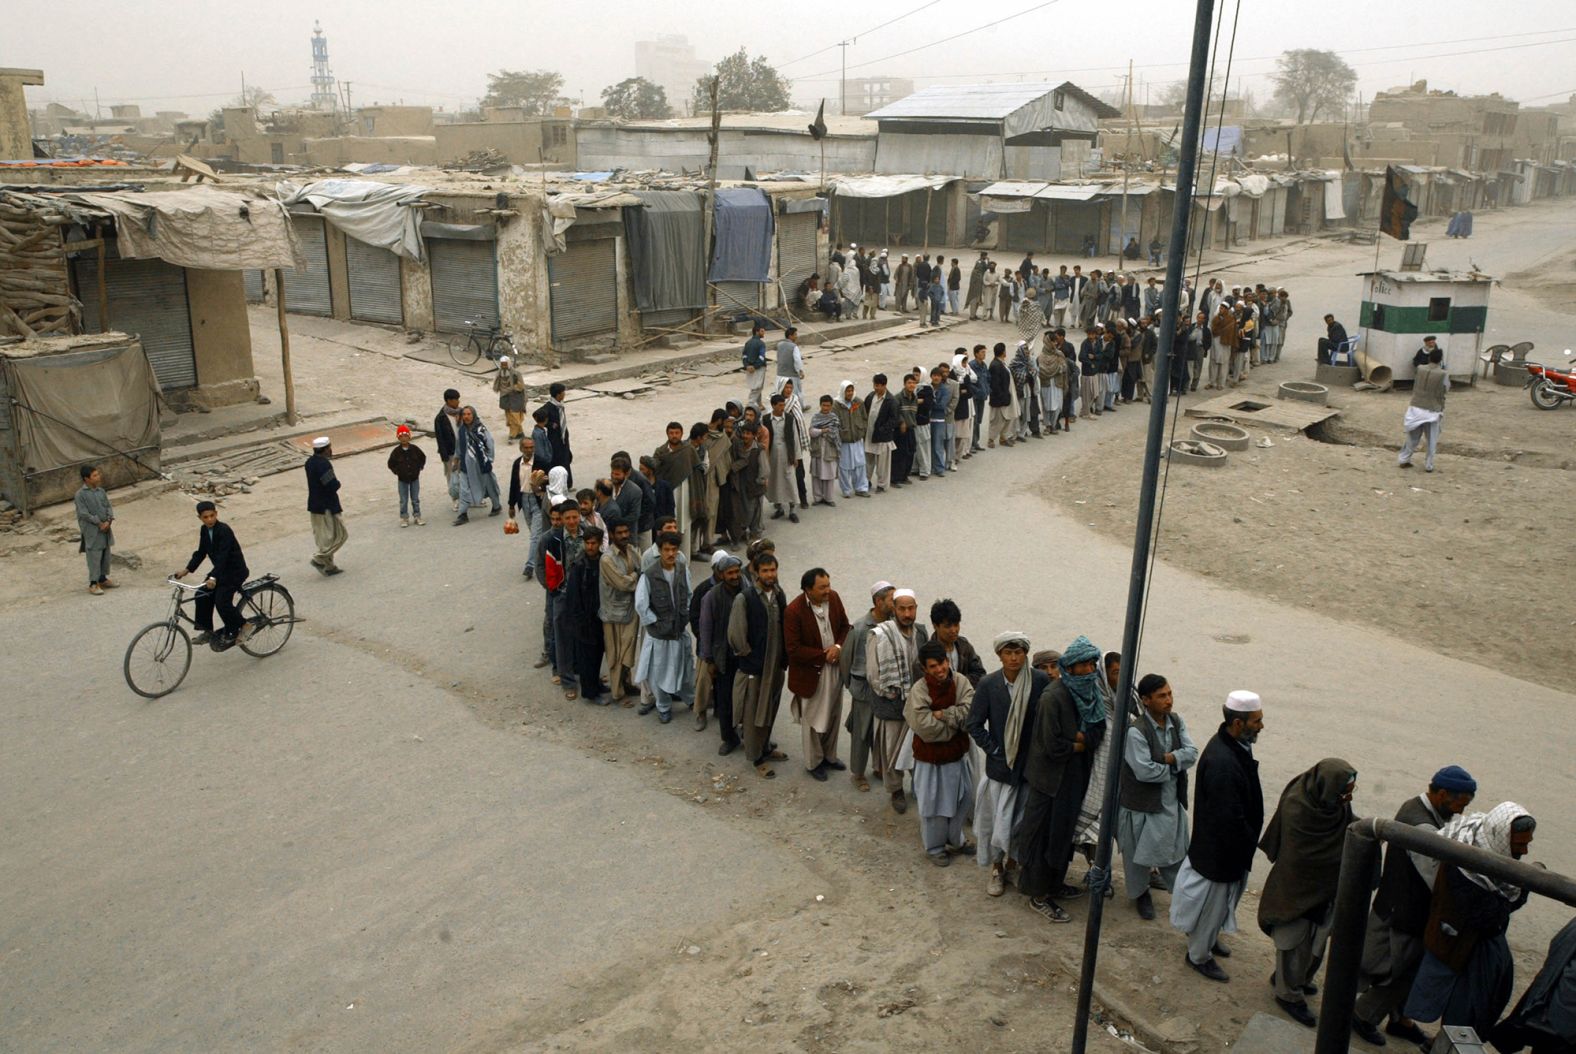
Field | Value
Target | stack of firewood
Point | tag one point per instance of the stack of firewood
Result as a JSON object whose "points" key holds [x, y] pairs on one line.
{"points": [[35, 294]]}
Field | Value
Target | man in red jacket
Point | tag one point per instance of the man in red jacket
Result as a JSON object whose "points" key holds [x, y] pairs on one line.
{"points": [[814, 627]]}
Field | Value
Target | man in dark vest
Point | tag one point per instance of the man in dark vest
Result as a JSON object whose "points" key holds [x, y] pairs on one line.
{"points": [[667, 656], [1427, 412], [755, 641], [1228, 815], [1393, 947], [1151, 828]]}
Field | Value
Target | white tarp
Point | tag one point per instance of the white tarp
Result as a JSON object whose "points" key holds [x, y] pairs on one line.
{"points": [[202, 227], [885, 186], [1333, 209], [1072, 191], [1254, 185], [372, 212]]}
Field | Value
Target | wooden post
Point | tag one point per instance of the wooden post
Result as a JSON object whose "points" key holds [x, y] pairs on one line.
{"points": [[708, 216], [929, 193], [103, 291], [284, 347]]}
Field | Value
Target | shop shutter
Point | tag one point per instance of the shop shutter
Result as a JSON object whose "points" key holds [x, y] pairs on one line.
{"points": [[796, 256], [736, 298], [254, 286], [307, 292], [585, 289], [464, 283], [148, 298], [1025, 230], [374, 283]]}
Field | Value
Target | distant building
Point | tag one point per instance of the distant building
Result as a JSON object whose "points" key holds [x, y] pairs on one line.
{"points": [[1475, 132], [16, 134], [864, 94], [394, 120], [750, 143], [987, 131], [669, 62]]}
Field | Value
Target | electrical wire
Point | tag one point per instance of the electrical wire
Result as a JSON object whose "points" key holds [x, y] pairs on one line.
{"points": [[935, 43], [856, 36]]}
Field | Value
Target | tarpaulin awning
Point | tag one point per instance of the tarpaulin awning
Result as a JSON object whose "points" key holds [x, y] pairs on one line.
{"points": [[886, 186], [804, 205], [1134, 190], [558, 213], [1071, 191], [202, 227], [1009, 196], [1253, 185], [742, 246], [372, 212], [1334, 208], [665, 252]]}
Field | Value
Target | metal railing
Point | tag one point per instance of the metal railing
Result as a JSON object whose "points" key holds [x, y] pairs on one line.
{"points": [[1359, 866]]}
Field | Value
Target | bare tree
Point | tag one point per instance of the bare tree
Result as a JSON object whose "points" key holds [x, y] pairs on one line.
{"points": [[256, 98], [1313, 82]]}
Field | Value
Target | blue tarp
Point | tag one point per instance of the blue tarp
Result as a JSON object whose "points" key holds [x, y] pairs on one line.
{"points": [[1223, 140], [743, 241]]}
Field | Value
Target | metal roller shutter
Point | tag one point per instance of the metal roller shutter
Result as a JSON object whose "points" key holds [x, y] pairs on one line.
{"points": [[148, 298], [374, 283], [796, 256], [254, 286], [1025, 230], [585, 292], [464, 283], [738, 297], [307, 292]]}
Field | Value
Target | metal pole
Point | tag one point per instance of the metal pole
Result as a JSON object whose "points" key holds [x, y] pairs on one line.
{"points": [[1359, 865], [1187, 164]]}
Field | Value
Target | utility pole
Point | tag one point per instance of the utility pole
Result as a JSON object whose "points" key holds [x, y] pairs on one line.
{"points": [[1138, 584], [1127, 166], [709, 215], [97, 115], [842, 82]]}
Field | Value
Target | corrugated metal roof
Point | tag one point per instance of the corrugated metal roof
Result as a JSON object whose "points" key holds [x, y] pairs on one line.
{"points": [[985, 102]]}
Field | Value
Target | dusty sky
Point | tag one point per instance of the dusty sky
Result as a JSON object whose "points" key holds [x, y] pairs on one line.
{"points": [[191, 56]]}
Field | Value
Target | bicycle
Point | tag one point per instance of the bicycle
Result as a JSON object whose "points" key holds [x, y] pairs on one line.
{"points": [[480, 340], [159, 656]]}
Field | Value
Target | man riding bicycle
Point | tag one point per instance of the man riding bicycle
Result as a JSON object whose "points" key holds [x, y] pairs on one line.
{"points": [[216, 543]]}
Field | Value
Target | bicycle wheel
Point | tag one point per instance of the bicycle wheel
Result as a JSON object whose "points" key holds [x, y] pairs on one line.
{"points": [[465, 352], [157, 659], [273, 612]]}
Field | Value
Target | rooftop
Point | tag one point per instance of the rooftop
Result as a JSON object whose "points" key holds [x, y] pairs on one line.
{"points": [[783, 121], [988, 102]]}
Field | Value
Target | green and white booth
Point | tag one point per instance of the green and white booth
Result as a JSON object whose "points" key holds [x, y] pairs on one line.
{"points": [[1400, 308]]}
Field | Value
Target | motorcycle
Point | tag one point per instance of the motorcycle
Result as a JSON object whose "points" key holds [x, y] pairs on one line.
{"points": [[1549, 387]]}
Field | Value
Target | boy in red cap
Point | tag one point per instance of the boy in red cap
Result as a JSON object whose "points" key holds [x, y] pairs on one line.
{"points": [[406, 462]]}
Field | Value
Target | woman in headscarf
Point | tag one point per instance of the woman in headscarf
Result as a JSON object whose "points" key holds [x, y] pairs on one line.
{"points": [[1031, 319], [1303, 841], [968, 381], [1023, 377], [825, 448], [1068, 731], [1467, 973], [790, 440], [474, 447], [557, 485]]}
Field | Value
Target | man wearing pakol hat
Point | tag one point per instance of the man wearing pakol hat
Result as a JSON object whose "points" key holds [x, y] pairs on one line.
{"points": [[1069, 729], [510, 386], [1228, 815], [1151, 827], [856, 681], [406, 461], [322, 503], [1393, 947], [891, 666], [711, 647], [697, 600], [937, 710], [1001, 722]]}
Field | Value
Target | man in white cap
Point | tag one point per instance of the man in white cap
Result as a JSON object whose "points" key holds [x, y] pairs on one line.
{"points": [[856, 681], [322, 502], [1002, 723], [1228, 815], [510, 386], [891, 667]]}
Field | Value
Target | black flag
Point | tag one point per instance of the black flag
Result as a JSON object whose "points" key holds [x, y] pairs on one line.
{"points": [[818, 129], [1396, 213]]}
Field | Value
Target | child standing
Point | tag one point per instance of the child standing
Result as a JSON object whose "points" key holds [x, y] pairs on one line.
{"points": [[406, 462]]}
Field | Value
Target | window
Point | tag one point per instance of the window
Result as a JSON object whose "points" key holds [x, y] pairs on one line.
{"points": [[276, 151], [1059, 99], [558, 135], [1439, 309]]}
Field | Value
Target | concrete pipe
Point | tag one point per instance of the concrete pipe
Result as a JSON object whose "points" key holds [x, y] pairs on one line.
{"points": [[1374, 372], [1305, 391], [1196, 452], [1225, 436], [1509, 375]]}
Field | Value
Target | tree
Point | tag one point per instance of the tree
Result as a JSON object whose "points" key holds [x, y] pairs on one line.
{"points": [[534, 91], [744, 84], [1311, 81], [256, 99], [635, 98]]}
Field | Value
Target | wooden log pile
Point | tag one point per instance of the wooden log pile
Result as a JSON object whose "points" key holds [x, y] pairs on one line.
{"points": [[35, 292]]}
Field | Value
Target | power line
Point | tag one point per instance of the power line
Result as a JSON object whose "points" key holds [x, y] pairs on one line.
{"points": [[943, 40], [856, 36]]}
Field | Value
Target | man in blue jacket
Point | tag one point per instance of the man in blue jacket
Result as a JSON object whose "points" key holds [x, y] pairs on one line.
{"points": [[754, 359]]}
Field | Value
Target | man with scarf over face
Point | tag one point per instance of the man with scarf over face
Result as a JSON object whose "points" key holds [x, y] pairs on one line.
{"points": [[1068, 729], [1304, 841], [1002, 722]]}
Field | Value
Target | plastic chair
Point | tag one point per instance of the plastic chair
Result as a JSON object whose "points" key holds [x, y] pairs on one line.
{"points": [[1346, 348], [1492, 355], [1518, 352]]}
